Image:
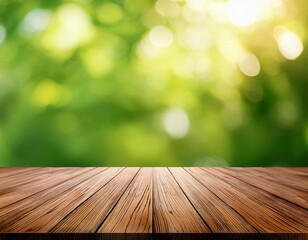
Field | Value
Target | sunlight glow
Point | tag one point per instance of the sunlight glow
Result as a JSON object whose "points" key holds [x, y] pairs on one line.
{"points": [[35, 21], [245, 13], [230, 47], [161, 36], [290, 45], [191, 15], [176, 123], [75, 26], [147, 50], [194, 39], [197, 5], [202, 68], [249, 65], [70, 29], [167, 8]]}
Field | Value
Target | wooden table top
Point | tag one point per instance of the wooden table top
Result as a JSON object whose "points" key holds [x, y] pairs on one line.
{"points": [[154, 200]]}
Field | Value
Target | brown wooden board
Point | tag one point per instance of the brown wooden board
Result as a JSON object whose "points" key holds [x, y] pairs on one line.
{"points": [[171, 203], [173, 212], [133, 213]]}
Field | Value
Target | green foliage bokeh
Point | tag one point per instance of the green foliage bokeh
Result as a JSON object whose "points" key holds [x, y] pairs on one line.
{"points": [[145, 83]]}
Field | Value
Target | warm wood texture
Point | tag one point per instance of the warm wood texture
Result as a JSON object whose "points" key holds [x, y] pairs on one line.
{"points": [[133, 213], [172, 210], [154, 200], [89, 215], [215, 212]]}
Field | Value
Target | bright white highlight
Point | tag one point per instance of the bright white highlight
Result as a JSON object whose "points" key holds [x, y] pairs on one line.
{"points": [[176, 123], [75, 27], [249, 65], [289, 44], [35, 21], [161, 36], [243, 13]]}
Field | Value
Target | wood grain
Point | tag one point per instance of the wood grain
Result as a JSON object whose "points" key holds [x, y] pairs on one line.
{"points": [[215, 212], [55, 209], [273, 187], [133, 213], [7, 172], [296, 215], [266, 215], [172, 210], [15, 212], [262, 218], [155, 201], [17, 193], [89, 215]]}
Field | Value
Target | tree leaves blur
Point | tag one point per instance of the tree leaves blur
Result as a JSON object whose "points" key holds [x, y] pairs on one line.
{"points": [[143, 83]]}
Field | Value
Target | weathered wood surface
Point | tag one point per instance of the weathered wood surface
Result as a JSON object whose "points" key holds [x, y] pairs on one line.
{"points": [[154, 200]]}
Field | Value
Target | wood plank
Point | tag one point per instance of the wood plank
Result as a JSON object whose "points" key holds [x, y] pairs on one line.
{"points": [[172, 211], [293, 214], [133, 213], [262, 218], [294, 170], [88, 216], [18, 193], [45, 216], [17, 210], [154, 202], [299, 182], [10, 183], [288, 193], [8, 172], [219, 216]]}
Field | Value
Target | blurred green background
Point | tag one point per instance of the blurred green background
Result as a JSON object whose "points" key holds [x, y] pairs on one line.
{"points": [[153, 83]]}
